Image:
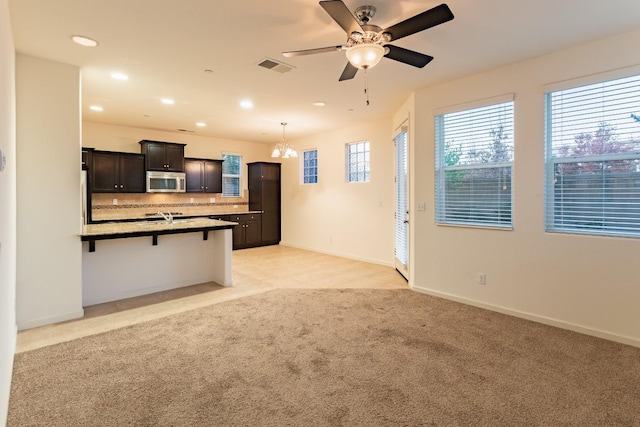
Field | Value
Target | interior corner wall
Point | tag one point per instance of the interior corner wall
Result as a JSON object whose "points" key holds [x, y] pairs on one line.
{"points": [[353, 220], [7, 208], [585, 283], [49, 268]]}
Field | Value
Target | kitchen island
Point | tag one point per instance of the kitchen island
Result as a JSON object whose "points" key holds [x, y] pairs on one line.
{"points": [[126, 259]]}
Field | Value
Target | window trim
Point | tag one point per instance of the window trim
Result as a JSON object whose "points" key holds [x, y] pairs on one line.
{"points": [[441, 168], [550, 218]]}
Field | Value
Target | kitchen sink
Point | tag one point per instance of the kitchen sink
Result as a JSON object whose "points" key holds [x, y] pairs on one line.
{"points": [[182, 221], [153, 223]]}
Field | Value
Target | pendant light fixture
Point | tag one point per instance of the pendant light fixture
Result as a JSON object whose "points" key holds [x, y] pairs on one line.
{"points": [[282, 149]]}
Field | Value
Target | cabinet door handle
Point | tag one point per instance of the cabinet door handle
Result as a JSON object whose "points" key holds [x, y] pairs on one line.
{"points": [[115, 186], [121, 186]]}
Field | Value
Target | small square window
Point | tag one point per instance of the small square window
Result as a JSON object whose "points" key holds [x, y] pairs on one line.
{"points": [[357, 162], [310, 167]]}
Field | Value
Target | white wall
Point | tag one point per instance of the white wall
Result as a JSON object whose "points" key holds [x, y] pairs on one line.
{"points": [[49, 284], [7, 208], [125, 139], [353, 220], [589, 284]]}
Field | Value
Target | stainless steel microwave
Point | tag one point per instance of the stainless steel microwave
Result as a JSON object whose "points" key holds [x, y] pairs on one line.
{"points": [[165, 182]]}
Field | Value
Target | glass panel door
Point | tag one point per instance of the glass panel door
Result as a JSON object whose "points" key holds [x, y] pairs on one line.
{"points": [[402, 203]]}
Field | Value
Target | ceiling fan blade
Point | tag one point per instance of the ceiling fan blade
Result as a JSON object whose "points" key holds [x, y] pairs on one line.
{"points": [[348, 73], [427, 19], [312, 51], [341, 14], [407, 56]]}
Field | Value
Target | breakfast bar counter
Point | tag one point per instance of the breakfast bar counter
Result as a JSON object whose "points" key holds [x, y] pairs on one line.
{"points": [[120, 230], [127, 263]]}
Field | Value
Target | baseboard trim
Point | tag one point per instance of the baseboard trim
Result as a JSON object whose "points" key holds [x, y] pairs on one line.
{"points": [[533, 317], [340, 254], [100, 299], [49, 320]]}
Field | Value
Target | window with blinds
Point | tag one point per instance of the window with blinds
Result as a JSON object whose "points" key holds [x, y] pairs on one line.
{"points": [[592, 172], [474, 159], [231, 172]]}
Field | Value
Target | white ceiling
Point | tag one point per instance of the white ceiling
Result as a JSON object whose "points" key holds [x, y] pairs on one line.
{"points": [[165, 45]]}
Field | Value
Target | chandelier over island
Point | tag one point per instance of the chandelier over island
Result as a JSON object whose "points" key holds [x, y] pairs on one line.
{"points": [[282, 149]]}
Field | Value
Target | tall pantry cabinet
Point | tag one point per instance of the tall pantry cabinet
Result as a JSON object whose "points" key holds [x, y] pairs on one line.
{"points": [[264, 196]]}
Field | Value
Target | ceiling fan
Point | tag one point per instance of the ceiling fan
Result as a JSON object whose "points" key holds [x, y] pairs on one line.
{"points": [[367, 43]]}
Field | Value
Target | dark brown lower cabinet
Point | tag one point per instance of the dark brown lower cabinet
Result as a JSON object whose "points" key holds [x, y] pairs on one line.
{"points": [[247, 234]]}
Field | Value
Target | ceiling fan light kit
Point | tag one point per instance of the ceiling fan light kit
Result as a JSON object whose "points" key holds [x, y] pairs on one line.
{"points": [[367, 44], [366, 55]]}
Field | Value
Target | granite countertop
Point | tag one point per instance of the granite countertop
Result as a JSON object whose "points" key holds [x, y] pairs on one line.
{"points": [[177, 215], [150, 227]]}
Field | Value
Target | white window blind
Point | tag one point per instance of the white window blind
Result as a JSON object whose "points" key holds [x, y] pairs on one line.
{"points": [[231, 170], [474, 159], [592, 171], [402, 209]]}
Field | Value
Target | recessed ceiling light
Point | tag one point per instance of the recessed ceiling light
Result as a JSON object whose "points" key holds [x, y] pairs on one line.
{"points": [[84, 41], [246, 104], [96, 108], [201, 124], [119, 76], [319, 103], [168, 101]]}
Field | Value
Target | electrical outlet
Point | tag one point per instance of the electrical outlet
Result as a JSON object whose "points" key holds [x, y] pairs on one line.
{"points": [[114, 201], [190, 199], [422, 206], [482, 279], [212, 199]]}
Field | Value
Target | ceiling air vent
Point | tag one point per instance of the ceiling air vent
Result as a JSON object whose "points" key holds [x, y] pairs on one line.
{"points": [[272, 64]]}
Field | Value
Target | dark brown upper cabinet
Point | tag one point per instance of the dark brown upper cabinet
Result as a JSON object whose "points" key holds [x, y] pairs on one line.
{"points": [[86, 158], [163, 156], [114, 172], [203, 175]]}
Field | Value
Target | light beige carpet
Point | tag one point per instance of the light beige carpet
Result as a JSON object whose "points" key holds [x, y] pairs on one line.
{"points": [[330, 358]]}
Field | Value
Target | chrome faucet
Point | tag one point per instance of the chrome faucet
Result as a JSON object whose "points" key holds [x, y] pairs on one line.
{"points": [[167, 217]]}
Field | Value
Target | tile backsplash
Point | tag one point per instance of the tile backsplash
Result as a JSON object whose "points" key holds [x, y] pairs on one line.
{"points": [[112, 206]]}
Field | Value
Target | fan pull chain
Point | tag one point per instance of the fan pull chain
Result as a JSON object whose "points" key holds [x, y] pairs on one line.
{"points": [[366, 86]]}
